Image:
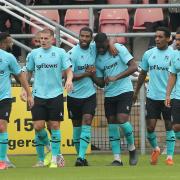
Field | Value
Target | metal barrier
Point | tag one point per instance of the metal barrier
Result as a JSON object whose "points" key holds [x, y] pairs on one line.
{"points": [[100, 138], [91, 23]]}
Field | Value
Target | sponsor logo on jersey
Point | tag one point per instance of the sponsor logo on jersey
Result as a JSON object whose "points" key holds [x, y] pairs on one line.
{"points": [[111, 66], [156, 67], [83, 67], [43, 66]]}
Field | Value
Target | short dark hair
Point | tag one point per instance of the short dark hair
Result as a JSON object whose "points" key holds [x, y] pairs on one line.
{"points": [[165, 30], [100, 37], [3, 36], [86, 29]]}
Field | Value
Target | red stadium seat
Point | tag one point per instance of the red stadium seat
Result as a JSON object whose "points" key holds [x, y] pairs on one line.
{"points": [[116, 28], [75, 19], [162, 1], [119, 1], [76, 27], [114, 21], [145, 1], [143, 15], [76, 16], [114, 16], [50, 14], [158, 1], [85, 0]]}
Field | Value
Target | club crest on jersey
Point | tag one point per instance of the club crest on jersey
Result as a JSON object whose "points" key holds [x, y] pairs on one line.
{"points": [[53, 54], [154, 57], [166, 58]]}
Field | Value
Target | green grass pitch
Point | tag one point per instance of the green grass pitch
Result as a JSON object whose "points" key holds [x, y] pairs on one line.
{"points": [[98, 169]]}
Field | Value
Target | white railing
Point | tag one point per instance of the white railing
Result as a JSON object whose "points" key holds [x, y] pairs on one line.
{"points": [[38, 19]]}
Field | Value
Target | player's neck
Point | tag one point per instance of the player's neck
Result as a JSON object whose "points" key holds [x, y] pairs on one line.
{"points": [[163, 48]]}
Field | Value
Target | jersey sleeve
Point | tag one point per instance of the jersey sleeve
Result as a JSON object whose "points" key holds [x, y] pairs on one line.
{"points": [[30, 65], [93, 47], [124, 54], [71, 57], [144, 65], [14, 66], [172, 68], [66, 63], [24, 69]]}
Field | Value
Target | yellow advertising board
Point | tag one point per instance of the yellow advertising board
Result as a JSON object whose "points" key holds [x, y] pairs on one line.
{"points": [[21, 132]]}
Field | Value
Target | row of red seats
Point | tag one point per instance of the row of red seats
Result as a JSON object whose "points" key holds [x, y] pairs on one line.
{"points": [[130, 1], [125, 1], [110, 20]]}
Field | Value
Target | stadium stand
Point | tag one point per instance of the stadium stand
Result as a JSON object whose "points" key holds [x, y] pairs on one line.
{"points": [[51, 14], [145, 1], [119, 1], [84, 0], [158, 2], [114, 21], [75, 19], [146, 15], [135, 1], [162, 1]]}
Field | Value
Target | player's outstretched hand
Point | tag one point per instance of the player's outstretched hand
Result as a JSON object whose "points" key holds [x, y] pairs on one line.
{"points": [[109, 79], [23, 95], [168, 102], [68, 86], [91, 69], [30, 101]]}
